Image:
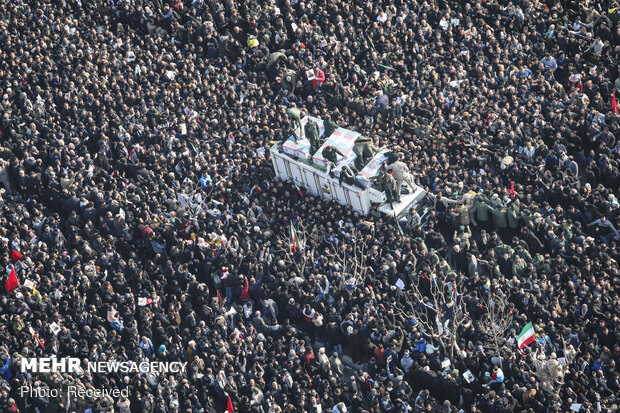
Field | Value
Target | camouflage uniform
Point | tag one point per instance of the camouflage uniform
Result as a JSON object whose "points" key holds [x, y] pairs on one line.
{"points": [[389, 187], [330, 127], [288, 86], [295, 117], [348, 174], [330, 153], [312, 132], [365, 150]]}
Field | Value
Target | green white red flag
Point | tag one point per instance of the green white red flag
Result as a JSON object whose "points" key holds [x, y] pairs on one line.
{"points": [[527, 336], [294, 240], [298, 188]]}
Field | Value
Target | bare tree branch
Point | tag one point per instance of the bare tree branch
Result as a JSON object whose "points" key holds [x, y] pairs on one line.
{"points": [[497, 320], [441, 311]]}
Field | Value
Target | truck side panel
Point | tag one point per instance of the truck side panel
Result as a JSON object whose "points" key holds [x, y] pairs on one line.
{"points": [[359, 201], [341, 193], [325, 187], [281, 166]]}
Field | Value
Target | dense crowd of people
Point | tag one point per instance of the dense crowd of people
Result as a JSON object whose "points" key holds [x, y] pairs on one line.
{"points": [[137, 189]]}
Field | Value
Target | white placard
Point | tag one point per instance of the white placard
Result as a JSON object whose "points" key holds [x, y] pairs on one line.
{"points": [[468, 376], [55, 328]]}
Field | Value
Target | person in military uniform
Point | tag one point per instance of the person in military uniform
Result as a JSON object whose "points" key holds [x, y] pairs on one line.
{"points": [[331, 154], [401, 174], [295, 117], [289, 81], [311, 131], [330, 126], [483, 210], [391, 157], [388, 184], [513, 215], [365, 150], [463, 234], [274, 59], [500, 218], [348, 174]]}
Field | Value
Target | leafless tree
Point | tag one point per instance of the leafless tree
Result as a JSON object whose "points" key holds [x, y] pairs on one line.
{"points": [[497, 320], [351, 256], [307, 239], [441, 311]]}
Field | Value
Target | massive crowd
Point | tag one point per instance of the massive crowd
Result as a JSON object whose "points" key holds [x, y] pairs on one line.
{"points": [[137, 188]]}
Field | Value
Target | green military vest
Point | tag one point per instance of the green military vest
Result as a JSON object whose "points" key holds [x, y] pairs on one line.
{"points": [[500, 216]]}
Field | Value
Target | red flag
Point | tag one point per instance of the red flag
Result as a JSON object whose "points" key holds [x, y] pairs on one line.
{"points": [[614, 104], [12, 282], [512, 188], [219, 298], [17, 257], [39, 341], [229, 406]]}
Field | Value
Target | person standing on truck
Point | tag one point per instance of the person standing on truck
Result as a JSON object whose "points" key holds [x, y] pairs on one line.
{"points": [[330, 126], [388, 184], [401, 174], [365, 150], [312, 132], [295, 116]]}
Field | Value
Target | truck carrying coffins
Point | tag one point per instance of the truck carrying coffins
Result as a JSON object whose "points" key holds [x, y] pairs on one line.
{"points": [[348, 168]]}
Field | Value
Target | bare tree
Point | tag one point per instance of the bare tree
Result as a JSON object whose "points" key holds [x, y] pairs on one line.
{"points": [[307, 239], [441, 311], [352, 256], [497, 320]]}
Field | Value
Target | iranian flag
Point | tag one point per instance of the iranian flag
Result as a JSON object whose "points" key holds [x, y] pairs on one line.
{"points": [[298, 188], [527, 336], [294, 239]]}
